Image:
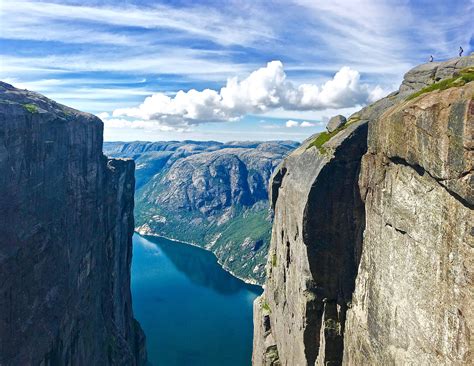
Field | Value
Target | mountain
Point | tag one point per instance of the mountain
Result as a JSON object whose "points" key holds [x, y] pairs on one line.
{"points": [[65, 239], [371, 257], [211, 194]]}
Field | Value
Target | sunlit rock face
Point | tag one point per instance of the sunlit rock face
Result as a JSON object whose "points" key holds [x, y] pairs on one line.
{"points": [[65, 231], [371, 258], [413, 301]]}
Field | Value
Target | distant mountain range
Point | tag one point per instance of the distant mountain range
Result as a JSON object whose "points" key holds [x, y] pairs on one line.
{"points": [[210, 194]]}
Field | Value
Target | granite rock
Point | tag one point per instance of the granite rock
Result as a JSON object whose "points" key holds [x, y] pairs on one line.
{"points": [[335, 123], [65, 230], [372, 252], [413, 302]]}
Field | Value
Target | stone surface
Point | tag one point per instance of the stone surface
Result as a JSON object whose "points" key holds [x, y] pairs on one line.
{"points": [[335, 123], [371, 260], [426, 74], [313, 254], [65, 231], [414, 300], [205, 193]]}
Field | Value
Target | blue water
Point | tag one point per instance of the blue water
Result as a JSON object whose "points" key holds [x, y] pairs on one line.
{"points": [[192, 311]]}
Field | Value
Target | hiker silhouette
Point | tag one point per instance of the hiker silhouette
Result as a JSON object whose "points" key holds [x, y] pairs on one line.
{"points": [[460, 51]]}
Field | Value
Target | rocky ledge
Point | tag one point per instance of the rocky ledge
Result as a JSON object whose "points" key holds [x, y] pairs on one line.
{"points": [[65, 230]]}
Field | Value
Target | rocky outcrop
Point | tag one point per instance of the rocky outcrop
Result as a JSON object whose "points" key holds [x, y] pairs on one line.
{"points": [[312, 260], [372, 247], [414, 293], [205, 193], [335, 123], [65, 232]]}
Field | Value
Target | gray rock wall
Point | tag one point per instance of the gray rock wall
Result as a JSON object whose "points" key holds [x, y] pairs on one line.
{"points": [[414, 293], [65, 239], [313, 254], [371, 258]]}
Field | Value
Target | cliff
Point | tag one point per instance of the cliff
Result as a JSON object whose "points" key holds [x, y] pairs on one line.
{"points": [[205, 193], [65, 230], [371, 256]]}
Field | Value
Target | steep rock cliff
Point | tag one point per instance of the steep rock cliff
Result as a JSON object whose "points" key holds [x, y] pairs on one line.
{"points": [[414, 300], [371, 256], [65, 231]]}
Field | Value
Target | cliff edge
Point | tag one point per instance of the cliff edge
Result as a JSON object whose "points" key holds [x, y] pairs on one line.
{"points": [[65, 231], [372, 250]]}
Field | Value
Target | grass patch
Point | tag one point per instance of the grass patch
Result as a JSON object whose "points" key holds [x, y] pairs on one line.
{"points": [[31, 108], [266, 307], [274, 260], [324, 137], [465, 76]]}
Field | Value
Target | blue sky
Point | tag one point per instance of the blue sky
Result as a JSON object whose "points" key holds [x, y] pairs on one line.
{"points": [[223, 70]]}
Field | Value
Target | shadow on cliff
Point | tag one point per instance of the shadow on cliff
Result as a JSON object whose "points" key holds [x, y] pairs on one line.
{"points": [[334, 221]]}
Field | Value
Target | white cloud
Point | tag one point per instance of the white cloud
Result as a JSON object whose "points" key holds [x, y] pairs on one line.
{"points": [[139, 124], [103, 115], [222, 27], [290, 123], [264, 89]]}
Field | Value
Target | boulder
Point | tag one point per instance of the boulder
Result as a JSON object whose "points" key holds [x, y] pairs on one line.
{"points": [[336, 122]]}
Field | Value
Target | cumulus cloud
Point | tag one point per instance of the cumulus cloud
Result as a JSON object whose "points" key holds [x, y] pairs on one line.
{"points": [[103, 115], [140, 125], [263, 90], [291, 123]]}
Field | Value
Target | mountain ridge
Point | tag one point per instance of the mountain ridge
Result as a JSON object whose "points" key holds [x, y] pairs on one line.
{"points": [[210, 194]]}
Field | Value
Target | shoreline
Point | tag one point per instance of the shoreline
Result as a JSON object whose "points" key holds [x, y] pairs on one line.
{"points": [[245, 280]]}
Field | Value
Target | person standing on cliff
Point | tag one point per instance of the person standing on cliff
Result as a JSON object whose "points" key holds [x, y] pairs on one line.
{"points": [[431, 58], [460, 51]]}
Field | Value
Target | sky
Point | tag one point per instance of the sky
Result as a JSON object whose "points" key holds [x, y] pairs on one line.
{"points": [[223, 70]]}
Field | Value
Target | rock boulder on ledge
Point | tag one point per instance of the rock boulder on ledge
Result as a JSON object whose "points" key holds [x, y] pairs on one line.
{"points": [[335, 123]]}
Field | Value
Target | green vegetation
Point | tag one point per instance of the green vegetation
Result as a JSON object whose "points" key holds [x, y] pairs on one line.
{"points": [[241, 243], [274, 260], [265, 306], [465, 76], [325, 136], [31, 108]]}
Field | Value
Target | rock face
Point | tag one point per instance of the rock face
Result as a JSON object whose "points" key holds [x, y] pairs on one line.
{"points": [[372, 252], [414, 300], [335, 123], [313, 253], [205, 193], [65, 232]]}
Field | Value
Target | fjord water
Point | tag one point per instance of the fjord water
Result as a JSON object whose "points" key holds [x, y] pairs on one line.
{"points": [[192, 311]]}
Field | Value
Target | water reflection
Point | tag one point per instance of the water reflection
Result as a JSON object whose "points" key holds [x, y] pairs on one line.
{"points": [[200, 266], [192, 311]]}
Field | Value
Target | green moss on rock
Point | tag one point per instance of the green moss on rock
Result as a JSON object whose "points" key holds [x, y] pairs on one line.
{"points": [[266, 307], [325, 136], [465, 76], [30, 108]]}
